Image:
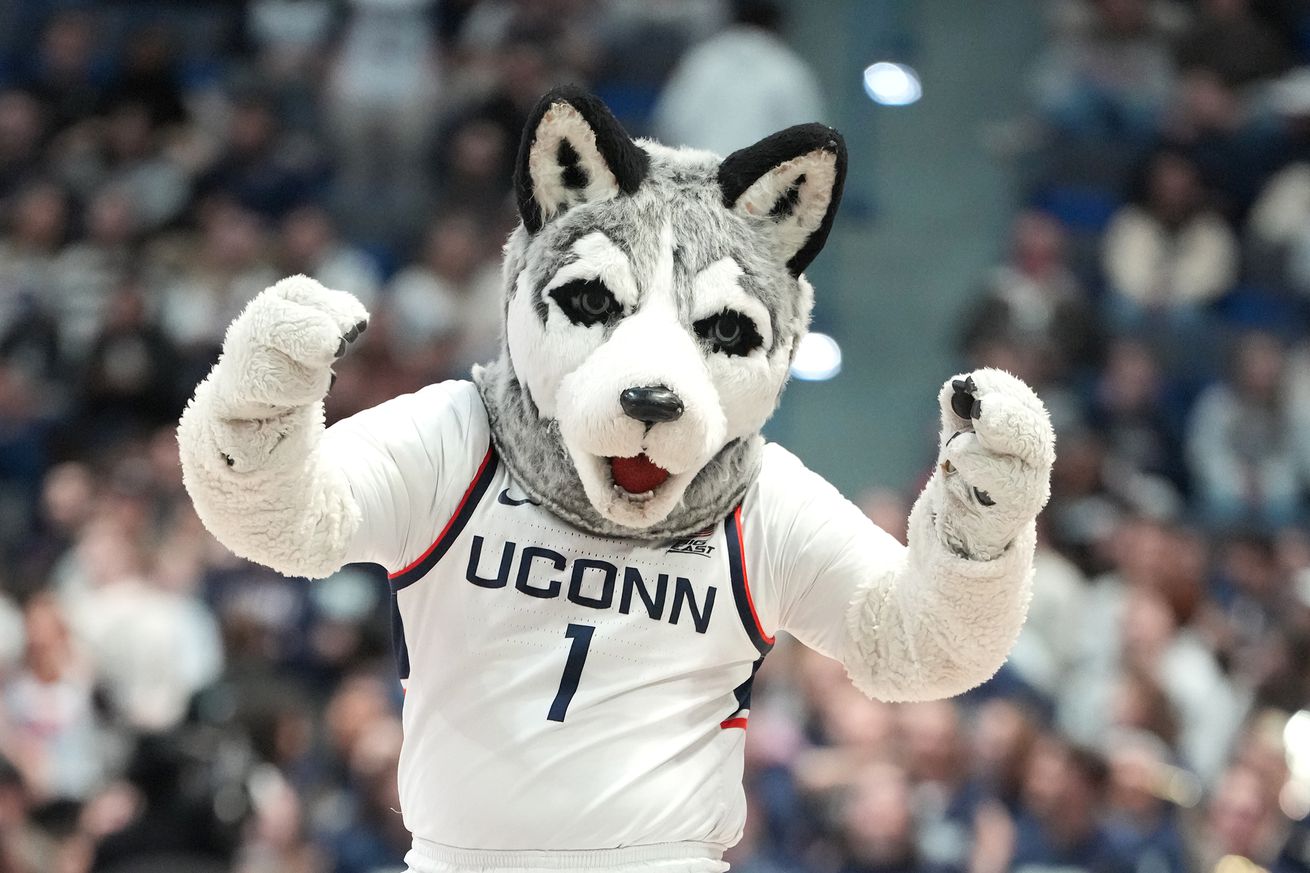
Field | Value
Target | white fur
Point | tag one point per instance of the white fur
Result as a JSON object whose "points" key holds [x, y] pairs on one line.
{"points": [[575, 374], [716, 288], [599, 258], [939, 624], [791, 232], [649, 347], [747, 385], [249, 439], [944, 620], [1007, 453], [542, 358], [562, 121]]}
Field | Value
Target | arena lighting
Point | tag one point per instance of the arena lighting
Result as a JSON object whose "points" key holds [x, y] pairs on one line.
{"points": [[892, 84], [818, 358]]}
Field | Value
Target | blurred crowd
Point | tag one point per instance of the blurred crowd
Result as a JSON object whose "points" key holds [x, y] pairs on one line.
{"points": [[165, 706]]}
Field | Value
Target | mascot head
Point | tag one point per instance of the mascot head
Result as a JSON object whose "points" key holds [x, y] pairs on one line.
{"points": [[654, 301]]}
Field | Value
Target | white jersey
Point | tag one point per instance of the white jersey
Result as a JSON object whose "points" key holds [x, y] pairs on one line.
{"points": [[566, 691]]}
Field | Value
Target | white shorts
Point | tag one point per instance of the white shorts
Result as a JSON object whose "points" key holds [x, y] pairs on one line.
{"points": [[428, 857]]}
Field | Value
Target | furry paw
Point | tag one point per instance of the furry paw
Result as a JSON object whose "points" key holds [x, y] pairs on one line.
{"points": [[278, 353], [994, 468]]}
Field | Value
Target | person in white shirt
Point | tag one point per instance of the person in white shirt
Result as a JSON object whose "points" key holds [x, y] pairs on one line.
{"points": [[738, 86]]}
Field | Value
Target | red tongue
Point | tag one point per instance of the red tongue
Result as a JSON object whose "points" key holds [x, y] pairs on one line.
{"points": [[637, 475]]}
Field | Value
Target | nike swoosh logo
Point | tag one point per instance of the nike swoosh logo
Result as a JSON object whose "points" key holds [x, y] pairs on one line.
{"points": [[505, 500]]}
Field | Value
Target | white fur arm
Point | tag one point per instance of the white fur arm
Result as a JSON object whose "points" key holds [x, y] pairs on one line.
{"points": [[942, 619], [250, 437]]}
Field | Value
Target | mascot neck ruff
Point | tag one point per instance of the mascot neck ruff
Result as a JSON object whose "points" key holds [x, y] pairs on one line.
{"points": [[654, 302], [590, 547]]}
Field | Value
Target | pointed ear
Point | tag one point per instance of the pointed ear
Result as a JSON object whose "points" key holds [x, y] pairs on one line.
{"points": [[573, 151], [792, 179]]}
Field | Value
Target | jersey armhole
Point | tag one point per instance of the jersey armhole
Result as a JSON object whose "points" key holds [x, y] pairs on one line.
{"points": [[741, 590], [423, 564]]}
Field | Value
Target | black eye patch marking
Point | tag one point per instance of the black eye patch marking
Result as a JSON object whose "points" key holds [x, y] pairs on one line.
{"points": [[573, 176], [730, 332], [587, 302]]}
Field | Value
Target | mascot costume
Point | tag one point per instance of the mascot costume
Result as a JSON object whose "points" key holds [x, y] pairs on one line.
{"points": [[590, 545]]}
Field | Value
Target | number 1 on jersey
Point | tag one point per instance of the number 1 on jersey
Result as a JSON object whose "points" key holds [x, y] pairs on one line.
{"points": [[568, 683]]}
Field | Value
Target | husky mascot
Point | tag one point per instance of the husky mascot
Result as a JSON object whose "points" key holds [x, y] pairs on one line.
{"points": [[590, 546]]}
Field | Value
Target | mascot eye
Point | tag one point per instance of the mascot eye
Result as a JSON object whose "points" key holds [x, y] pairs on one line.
{"points": [[586, 301], [729, 332]]}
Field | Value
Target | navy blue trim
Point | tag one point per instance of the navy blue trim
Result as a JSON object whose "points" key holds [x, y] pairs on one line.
{"points": [[477, 490], [739, 594], [399, 649], [743, 691]]}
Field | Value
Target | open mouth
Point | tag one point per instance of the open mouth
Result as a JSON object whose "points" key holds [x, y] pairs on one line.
{"points": [[638, 477]]}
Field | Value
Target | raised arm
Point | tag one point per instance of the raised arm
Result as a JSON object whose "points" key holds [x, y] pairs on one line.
{"points": [[939, 617], [251, 442]]}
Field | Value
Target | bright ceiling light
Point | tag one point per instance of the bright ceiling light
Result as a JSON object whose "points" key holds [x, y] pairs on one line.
{"points": [[892, 84], [818, 358]]}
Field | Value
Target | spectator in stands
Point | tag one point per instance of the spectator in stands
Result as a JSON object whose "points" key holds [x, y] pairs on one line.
{"points": [[227, 268], [22, 130], [1137, 633], [1133, 406], [480, 140], [1143, 789], [1004, 732], [1060, 823], [1046, 652], [1168, 253], [126, 151], [1241, 820], [309, 244], [91, 270], [878, 826], [129, 384], [48, 725], [1231, 41], [148, 77], [1233, 141], [1108, 71], [1033, 305], [945, 799], [738, 86], [64, 72], [29, 251], [1247, 447], [262, 167], [1279, 229], [450, 301], [384, 87]]}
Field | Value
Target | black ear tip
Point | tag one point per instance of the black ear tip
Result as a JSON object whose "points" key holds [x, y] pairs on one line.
{"points": [[574, 95], [742, 168], [824, 137], [627, 161], [739, 169]]}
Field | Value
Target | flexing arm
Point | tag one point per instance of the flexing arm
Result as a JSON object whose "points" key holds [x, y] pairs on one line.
{"points": [[251, 443], [943, 619], [939, 617]]}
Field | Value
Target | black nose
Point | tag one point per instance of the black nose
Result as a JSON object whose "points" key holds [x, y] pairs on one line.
{"points": [[652, 404]]}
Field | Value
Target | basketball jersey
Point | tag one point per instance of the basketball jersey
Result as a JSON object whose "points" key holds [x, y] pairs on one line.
{"points": [[568, 691]]}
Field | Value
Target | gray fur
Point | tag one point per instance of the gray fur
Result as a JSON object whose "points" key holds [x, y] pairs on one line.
{"points": [[534, 451], [680, 189]]}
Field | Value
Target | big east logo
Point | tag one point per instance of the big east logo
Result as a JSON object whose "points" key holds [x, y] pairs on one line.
{"points": [[541, 572], [696, 544]]}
